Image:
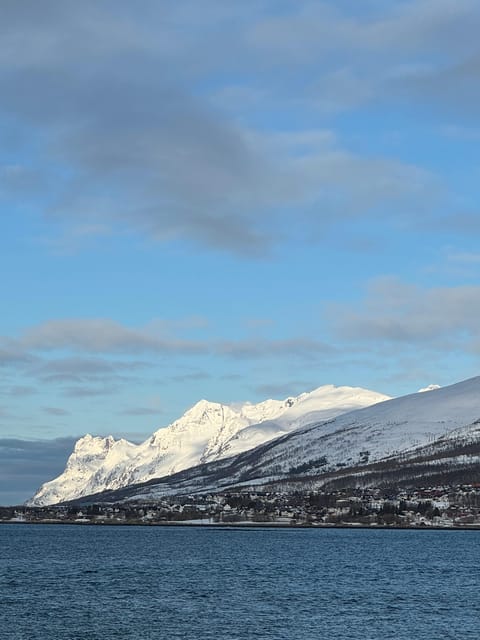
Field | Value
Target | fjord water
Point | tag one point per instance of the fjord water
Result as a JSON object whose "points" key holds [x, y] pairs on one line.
{"points": [[98, 582]]}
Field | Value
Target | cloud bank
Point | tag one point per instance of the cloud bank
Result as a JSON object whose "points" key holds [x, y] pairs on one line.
{"points": [[124, 136]]}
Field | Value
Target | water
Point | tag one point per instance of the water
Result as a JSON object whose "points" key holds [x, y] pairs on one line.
{"points": [[145, 583]]}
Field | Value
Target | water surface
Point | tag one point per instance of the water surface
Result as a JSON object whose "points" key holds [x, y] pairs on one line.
{"points": [[62, 582]]}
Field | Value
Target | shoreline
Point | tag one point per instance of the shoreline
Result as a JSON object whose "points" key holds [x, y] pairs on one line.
{"points": [[246, 525]]}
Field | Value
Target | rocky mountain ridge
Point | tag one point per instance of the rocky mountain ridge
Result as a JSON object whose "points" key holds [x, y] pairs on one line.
{"points": [[411, 439], [208, 431]]}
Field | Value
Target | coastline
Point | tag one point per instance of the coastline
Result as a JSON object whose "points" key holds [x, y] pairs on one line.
{"points": [[246, 525]]}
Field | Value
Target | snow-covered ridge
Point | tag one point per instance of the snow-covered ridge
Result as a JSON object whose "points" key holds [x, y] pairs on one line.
{"points": [[394, 432], [207, 431], [381, 431]]}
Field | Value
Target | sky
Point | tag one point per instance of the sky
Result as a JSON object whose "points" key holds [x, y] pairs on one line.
{"points": [[229, 201]]}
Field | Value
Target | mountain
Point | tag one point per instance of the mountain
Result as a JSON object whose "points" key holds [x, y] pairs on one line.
{"points": [[424, 437], [208, 431]]}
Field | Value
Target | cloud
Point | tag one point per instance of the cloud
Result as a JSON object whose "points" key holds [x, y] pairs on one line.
{"points": [[232, 377], [457, 223], [140, 411], [78, 369], [82, 391], [411, 26], [191, 377], [417, 52], [408, 315], [80, 377], [465, 257], [301, 348], [56, 411], [99, 335], [431, 387], [13, 355], [453, 88], [284, 389], [17, 391], [155, 159], [125, 138], [104, 336], [26, 464]]}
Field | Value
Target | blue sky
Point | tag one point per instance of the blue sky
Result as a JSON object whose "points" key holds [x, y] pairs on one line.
{"points": [[232, 201]]}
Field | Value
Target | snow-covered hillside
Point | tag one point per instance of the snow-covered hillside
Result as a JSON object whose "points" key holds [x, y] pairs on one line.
{"points": [[321, 404], [206, 432], [421, 426], [380, 431]]}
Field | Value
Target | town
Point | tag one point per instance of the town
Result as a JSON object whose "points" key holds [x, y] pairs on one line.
{"points": [[440, 506]]}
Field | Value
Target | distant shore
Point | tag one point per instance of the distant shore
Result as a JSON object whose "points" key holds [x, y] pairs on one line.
{"points": [[245, 525]]}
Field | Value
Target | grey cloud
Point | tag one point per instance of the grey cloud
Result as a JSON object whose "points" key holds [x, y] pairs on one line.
{"points": [[103, 91], [17, 391], [460, 264], [140, 411], [81, 369], [83, 391], [26, 464], [453, 88], [64, 378], [172, 166], [466, 257], [301, 348], [457, 223], [100, 335], [13, 355], [105, 336], [418, 50], [17, 179], [411, 26], [56, 411], [398, 313], [191, 377], [283, 389]]}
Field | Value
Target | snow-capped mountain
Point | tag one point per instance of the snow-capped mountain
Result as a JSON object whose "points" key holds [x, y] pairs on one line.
{"points": [[206, 432], [434, 434], [386, 430]]}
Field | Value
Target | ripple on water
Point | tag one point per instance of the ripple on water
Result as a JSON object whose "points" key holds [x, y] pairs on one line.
{"points": [[78, 583]]}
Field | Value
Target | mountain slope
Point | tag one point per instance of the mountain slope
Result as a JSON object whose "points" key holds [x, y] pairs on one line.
{"points": [[419, 431], [206, 432]]}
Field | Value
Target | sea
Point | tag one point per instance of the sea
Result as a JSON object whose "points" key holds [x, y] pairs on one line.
{"points": [[64, 582]]}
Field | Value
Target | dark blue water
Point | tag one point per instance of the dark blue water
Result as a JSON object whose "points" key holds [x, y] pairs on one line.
{"points": [[73, 582]]}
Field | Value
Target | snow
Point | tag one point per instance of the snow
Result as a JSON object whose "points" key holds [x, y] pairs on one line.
{"points": [[438, 421], [431, 387], [385, 429], [323, 403], [207, 431]]}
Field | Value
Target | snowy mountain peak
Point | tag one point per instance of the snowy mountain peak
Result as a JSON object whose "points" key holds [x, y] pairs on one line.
{"points": [[202, 406], [418, 438], [207, 431], [94, 443], [203, 411]]}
